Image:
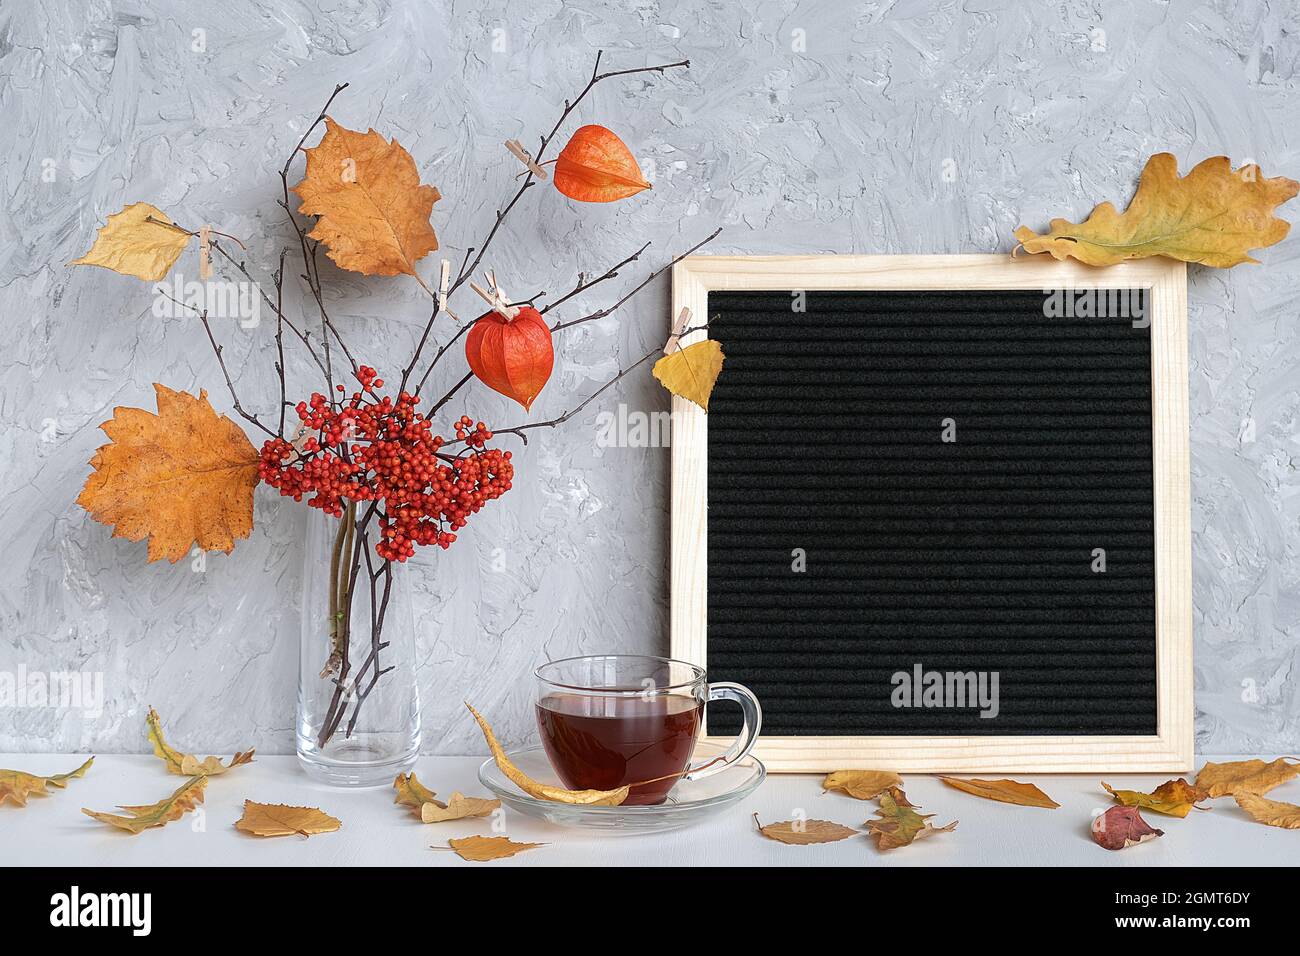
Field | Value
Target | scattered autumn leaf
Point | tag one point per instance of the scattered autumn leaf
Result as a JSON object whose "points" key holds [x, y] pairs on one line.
{"points": [[1121, 827], [411, 793], [1275, 813], [184, 764], [132, 245], [597, 166], [1245, 776], [459, 807], [183, 475], [1004, 791], [1212, 215], [276, 819], [481, 849], [862, 784], [511, 356], [1174, 798], [804, 832], [184, 799], [692, 372], [542, 791], [16, 785], [900, 824], [373, 214]]}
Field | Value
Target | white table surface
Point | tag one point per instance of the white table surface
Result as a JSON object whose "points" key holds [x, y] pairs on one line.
{"points": [[53, 831]]}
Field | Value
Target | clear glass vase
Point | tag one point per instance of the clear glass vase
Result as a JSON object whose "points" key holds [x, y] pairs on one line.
{"points": [[358, 704]]}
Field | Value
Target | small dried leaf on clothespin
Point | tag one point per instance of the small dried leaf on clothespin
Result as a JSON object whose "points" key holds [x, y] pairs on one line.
{"points": [[205, 253], [679, 327], [517, 150]]}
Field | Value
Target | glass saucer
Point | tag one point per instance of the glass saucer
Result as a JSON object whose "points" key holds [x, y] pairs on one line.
{"points": [[688, 802]]}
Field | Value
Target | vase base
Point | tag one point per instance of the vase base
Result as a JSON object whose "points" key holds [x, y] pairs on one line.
{"points": [[362, 760]]}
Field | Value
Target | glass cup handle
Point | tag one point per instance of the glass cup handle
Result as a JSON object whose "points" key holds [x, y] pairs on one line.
{"points": [[743, 744]]}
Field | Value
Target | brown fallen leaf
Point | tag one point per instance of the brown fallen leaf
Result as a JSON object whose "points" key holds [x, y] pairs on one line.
{"points": [[862, 784], [1274, 813], [16, 785], [900, 824], [137, 819], [373, 214], [411, 793], [1004, 791], [804, 832], [1212, 215], [182, 476], [1245, 776], [187, 765], [542, 791], [1174, 798], [481, 849], [459, 807], [691, 372], [139, 241], [276, 819], [1121, 827]]}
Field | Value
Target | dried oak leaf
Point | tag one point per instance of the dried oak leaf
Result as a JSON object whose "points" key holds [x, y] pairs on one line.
{"points": [[183, 475], [542, 791], [187, 765], [132, 245], [411, 793], [692, 372], [373, 214], [184, 799], [1174, 798], [596, 166], [1275, 813], [481, 849], [1245, 776], [1004, 791], [900, 824], [804, 832], [862, 784], [17, 785], [276, 819], [459, 807], [1121, 827], [1212, 215]]}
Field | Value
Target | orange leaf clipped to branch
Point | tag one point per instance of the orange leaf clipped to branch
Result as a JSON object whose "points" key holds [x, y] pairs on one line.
{"points": [[1121, 827], [1212, 215], [862, 784], [276, 819], [596, 166], [1004, 791], [1173, 798], [900, 824], [1274, 813], [16, 785], [481, 849], [373, 214], [804, 832], [139, 241], [182, 476], [187, 765], [1245, 776], [692, 372], [511, 356], [138, 819]]}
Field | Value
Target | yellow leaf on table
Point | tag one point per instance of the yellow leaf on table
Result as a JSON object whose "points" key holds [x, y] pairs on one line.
{"points": [[373, 214], [1004, 791], [692, 372], [132, 245], [411, 793], [1275, 813], [459, 807], [182, 476], [184, 764], [1174, 798], [276, 819], [862, 784], [481, 849], [137, 819], [1245, 776], [1212, 215], [543, 791], [16, 785], [805, 832], [900, 824]]}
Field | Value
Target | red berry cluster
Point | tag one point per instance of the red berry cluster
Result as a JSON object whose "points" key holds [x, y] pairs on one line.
{"points": [[368, 448]]}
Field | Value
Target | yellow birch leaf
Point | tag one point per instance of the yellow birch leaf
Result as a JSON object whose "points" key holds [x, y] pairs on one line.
{"points": [[804, 832], [1004, 791], [184, 799], [481, 849], [184, 764], [373, 214], [16, 785], [692, 372], [1245, 776], [459, 807], [182, 476], [900, 824], [131, 245], [862, 784], [543, 791], [1274, 813], [411, 793], [1173, 798], [276, 819], [1212, 215]]}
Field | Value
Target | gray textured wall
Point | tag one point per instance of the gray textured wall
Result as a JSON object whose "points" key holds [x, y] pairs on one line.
{"points": [[1040, 109]]}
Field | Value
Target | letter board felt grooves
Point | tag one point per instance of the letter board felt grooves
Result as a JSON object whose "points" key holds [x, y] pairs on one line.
{"points": [[978, 554]]}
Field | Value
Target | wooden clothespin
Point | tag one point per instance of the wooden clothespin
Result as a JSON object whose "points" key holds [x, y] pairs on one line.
{"points": [[517, 150], [679, 327], [205, 253], [444, 286], [496, 298]]}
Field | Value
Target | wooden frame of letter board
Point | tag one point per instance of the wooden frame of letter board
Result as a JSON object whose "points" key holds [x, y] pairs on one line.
{"points": [[1170, 749]]}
